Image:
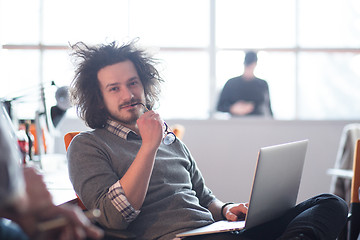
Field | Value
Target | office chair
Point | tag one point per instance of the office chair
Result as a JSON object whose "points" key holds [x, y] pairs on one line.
{"points": [[354, 211], [109, 233], [342, 172]]}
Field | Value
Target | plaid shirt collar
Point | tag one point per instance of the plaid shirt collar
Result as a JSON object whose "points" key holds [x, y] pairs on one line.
{"points": [[118, 129]]}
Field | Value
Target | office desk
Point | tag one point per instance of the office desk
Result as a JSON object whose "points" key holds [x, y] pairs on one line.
{"points": [[56, 177], [59, 186]]}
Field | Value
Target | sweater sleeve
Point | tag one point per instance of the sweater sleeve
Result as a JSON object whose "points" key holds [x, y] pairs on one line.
{"points": [[119, 200], [92, 177], [203, 193]]}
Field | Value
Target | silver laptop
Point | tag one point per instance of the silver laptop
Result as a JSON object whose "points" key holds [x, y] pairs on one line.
{"points": [[274, 191]]}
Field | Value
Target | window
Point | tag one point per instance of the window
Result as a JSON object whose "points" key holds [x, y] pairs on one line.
{"points": [[256, 24], [308, 51]]}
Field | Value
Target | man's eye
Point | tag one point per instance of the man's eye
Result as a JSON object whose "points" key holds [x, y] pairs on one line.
{"points": [[114, 89]]}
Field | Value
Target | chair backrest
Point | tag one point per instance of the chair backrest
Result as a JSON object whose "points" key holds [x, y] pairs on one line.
{"points": [[356, 177], [178, 130], [341, 186], [68, 138], [354, 214]]}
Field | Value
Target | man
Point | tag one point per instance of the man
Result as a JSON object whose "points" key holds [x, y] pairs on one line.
{"points": [[25, 200], [246, 95], [141, 184]]}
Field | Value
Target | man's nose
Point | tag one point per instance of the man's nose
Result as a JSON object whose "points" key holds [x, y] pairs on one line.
{"points": [[126, 94]]}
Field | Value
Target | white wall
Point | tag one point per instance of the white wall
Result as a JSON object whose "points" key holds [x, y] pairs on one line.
{"points": [[226, 150]]}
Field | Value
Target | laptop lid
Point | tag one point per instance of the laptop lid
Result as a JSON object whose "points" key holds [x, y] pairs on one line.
{"points": [[276, 181], [275, 188]]}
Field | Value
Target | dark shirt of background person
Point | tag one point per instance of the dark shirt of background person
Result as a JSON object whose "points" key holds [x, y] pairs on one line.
{"points": [[246, 95]]}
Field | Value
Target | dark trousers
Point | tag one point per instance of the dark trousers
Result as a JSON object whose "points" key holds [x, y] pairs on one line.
{"points": [[11, 231], [321, 217]]}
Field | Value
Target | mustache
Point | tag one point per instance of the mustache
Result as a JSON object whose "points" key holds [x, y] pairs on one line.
{"points": [[131, 103]]}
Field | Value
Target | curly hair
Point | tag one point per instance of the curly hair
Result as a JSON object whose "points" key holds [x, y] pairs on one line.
{"points": [[85, 89]]}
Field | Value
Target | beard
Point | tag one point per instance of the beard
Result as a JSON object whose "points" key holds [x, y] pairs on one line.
{"points": [[128, 120], [127, 117]]}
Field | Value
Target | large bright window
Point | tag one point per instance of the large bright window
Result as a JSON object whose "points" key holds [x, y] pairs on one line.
{"points": [[256, 24], [309, 51]]}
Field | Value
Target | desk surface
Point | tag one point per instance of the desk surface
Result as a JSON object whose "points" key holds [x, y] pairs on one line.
{"points": [[56, 177], [59, 186]]}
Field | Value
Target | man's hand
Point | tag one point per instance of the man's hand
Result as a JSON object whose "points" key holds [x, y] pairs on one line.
{"points": [[37, 194], [236, 212], [150, 127], [39, 208], [241, 108], [78, 225]]}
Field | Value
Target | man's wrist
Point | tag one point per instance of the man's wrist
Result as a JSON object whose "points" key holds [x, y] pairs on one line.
{"points": [[222, 209]]}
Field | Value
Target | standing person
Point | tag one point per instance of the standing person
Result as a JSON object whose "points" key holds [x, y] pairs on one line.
{"points": [[246, 95], [25, 200], [144, 184]]}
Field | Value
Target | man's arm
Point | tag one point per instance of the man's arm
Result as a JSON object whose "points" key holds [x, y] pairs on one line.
{"points": [[224, 102], [215, 209], [37, 207], [232, 212], [135, 181]]}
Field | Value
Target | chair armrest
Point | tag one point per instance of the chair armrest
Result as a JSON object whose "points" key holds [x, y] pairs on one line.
{"points": [[343, 173]]}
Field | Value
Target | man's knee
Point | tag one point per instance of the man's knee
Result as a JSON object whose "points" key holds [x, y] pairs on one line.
{"points": [[335, 202]]}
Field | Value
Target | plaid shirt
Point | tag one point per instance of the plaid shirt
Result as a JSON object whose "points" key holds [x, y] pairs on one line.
{"points": [[116, 192]]}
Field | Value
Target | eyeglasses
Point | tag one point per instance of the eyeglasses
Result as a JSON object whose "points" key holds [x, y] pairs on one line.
{"points": [[169, 135]]}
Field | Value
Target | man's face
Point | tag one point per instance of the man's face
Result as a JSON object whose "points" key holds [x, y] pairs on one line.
{"points": [[121, 87]]}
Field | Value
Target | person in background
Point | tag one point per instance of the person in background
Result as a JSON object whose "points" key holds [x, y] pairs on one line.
{"points": [[128, 168], [25, 201], [246, 95]]}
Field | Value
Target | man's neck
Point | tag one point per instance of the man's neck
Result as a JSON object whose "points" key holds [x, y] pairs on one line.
{"points": [[248, 75], [249, 72]]}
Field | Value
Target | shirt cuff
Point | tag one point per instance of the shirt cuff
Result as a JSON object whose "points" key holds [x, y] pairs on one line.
{"points": [[118, 199]]}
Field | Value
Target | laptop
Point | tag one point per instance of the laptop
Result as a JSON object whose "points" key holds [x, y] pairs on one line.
{"points": [[274, 191]]}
